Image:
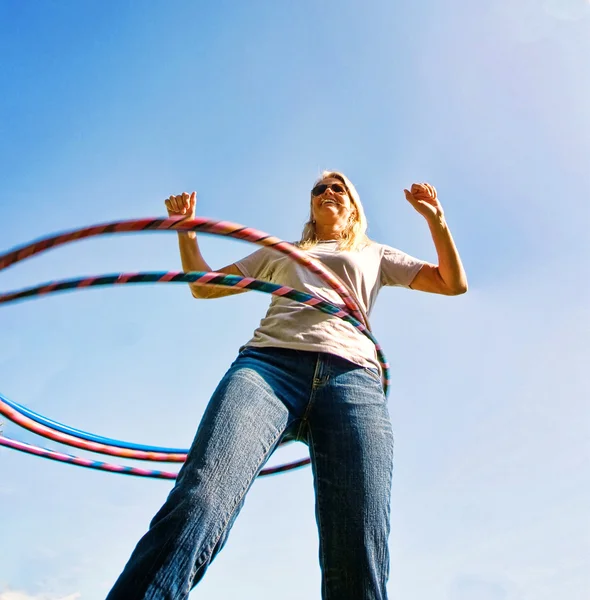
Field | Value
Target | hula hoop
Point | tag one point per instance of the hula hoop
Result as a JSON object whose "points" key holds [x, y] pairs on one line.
{"points": [[87, 441], [61, 433], [84, 435], [122, 469], [202, 224]]}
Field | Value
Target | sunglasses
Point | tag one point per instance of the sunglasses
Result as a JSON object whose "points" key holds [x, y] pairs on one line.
{"points": [[319, 189]]}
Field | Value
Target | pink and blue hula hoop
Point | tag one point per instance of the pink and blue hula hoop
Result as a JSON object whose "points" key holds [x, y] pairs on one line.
{"points": [[36, 423]]}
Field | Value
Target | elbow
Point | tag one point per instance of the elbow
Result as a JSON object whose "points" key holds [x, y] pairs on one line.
{"points": [[199, 292], [458, 289], [454, 286]]}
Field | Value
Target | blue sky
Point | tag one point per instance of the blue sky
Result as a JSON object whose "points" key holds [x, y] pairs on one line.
{"points": [[109, 107]]}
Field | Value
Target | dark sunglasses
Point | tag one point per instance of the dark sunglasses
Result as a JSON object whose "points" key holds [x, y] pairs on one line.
{"points": [[319, 189]]}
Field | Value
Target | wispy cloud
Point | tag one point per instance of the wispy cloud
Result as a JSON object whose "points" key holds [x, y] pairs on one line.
{"points": [[14, 595]]}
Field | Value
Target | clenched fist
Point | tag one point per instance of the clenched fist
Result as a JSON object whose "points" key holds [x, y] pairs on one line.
{"points": [[182, 205], [422, 196]]}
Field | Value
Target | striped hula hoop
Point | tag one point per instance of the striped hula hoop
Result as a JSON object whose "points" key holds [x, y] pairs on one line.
{"points": [[64, 434]]}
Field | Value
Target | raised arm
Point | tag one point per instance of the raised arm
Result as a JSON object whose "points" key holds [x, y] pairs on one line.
{"points": [[190, 253], [448, 277]]}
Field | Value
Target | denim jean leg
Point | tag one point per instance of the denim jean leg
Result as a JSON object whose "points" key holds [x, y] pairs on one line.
{"points": [[351, 444], [242, 425]]}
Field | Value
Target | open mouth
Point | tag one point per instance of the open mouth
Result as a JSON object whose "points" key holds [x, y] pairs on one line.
{"points": [[329, 201]]}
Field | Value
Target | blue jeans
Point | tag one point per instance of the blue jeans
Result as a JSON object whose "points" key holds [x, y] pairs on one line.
{"points": [[268, 395]]}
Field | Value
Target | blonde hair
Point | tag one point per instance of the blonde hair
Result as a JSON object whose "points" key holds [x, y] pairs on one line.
{"points": [[353, 236]]}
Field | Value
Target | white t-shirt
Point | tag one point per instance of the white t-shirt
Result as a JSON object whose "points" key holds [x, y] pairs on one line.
{"points": [[289, 324]]}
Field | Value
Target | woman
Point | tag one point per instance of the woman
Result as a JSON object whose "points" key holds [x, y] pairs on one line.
{"points": [[304, 375]]}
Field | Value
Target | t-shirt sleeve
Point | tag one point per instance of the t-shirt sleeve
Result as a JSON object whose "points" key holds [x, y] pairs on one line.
{"points": [[398, 268], [257, 264]]}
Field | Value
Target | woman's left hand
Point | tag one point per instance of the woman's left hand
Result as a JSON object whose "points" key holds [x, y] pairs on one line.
{"points": [[422, 196]]}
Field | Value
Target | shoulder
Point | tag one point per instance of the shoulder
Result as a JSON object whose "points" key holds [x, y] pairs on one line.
{"points": [[391, 253], [376, 248]]}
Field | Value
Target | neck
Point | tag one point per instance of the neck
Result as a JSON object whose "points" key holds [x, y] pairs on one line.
{"points": [[328, 232]]}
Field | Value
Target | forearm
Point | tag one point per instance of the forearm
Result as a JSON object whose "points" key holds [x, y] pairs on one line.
{"points": [[192, 260], [190, 253], [450, 267]]}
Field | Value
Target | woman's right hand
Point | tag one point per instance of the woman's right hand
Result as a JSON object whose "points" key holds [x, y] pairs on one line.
{"points": [[182, 205]]}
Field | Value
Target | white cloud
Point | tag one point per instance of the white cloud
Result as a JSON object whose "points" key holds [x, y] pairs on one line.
{"points": [[567, 10], [534, 20], [14, 595]]}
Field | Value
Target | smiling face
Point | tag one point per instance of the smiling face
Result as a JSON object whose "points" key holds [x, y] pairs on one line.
{"points": [[331, 206], [336, 213]]}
